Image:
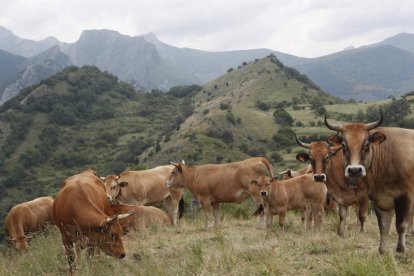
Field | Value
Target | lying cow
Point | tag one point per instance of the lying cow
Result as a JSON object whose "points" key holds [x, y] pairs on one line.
{"points": [[327, 161], [83, 215], [278, 197], [146, 187], [144, 217], [215, 184], [26, 218]]}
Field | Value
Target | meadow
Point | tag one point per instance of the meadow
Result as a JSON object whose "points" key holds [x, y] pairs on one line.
{"points": [[238, 247]]}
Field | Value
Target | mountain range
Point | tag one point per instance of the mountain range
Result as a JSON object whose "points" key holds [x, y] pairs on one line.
{"points": [[366, 73]]}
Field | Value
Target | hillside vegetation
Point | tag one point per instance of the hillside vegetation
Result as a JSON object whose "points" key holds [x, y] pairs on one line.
{"points": [[82, 117]]}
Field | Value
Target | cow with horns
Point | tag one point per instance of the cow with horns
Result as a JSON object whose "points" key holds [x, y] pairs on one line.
{"points": [[327, 163], [383, 158]]}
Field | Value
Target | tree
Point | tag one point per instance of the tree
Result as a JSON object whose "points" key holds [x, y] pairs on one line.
{"points": [[282, 117]]}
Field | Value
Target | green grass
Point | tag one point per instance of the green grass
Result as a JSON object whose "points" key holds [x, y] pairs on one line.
{"points": [[236, 248]]}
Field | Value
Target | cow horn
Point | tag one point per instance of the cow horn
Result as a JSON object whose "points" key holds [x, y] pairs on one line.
{"points": [[332, 127], [183, 162], [300, 143], [376, 124], [111, 219], [122, 216], [281, 173], [102, 178]]}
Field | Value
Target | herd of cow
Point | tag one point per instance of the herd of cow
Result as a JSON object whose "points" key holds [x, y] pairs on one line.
{"points": [[359, 164]]}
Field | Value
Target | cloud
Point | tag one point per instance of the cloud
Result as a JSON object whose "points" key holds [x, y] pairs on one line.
{"points": [[304, 28]]}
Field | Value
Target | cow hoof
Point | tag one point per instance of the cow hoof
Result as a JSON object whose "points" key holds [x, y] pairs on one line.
{"points": [[400, 249]]}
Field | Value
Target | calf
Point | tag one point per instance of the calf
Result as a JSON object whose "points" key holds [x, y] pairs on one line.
{"points": [[278, 197], [28, 217]]}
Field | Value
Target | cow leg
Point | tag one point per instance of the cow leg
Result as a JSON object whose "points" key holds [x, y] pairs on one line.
{"points": [[403, 207], [269, 218], [282, 218], [205, 203], [317, 213], [70, 253], [410, 230], [362, 213], [308, 216], [172, 208], [343, 213], [216, 213], [384, 223]]}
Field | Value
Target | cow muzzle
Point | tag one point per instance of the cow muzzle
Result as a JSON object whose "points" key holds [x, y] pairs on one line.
{"points": [[122, 256], [353, 171], [263, 194], [319, 177]]}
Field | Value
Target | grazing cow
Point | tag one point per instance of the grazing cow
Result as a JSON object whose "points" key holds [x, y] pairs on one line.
{"points": [[26, 218], [327, 162], [82, 213], [144, 217], [215, 184], [146, 187], [383, 158], [296, 193]]}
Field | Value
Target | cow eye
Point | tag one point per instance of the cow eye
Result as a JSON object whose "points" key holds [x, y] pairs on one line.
{"points": [[113, 236], [343, 145], [366, 146]]}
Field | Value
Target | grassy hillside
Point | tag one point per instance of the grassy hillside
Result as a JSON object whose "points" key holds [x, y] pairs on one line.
{"points": [[237, 248]]}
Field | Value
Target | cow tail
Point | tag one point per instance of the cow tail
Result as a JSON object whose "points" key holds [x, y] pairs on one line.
{"points": [[181, 207], [268, 166], [259, 210]]}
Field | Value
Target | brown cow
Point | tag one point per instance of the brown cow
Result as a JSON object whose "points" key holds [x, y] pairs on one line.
{"points": [[223, 183], [146, 187], [296, 193], [26, 218], [144, 217], [83, 215], [327, 162], [384, 159]]}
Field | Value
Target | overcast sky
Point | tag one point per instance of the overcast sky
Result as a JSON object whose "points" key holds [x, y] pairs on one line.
{"points": [[304, 28]]}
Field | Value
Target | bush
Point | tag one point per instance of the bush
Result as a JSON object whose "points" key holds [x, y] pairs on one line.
{"points": [[276, 157], [282, 117]]}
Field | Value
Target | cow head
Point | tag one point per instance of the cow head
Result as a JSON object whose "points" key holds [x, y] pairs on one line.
{"points": [[108, 236], [286, 174], [176, 176], [113, 186], [260, 186], [356, 142], [319, 155]]}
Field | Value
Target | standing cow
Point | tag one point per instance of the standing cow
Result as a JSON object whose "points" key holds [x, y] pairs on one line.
{"points": [[327, 163], [146, 187], [215, 184], [83, 215], [296, 193], [28, 217], [384, 159]]}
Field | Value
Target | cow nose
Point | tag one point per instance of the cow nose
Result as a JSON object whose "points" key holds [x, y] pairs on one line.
{"points": [[319, 177], [354, 171], [263, 193], [122, 256]]}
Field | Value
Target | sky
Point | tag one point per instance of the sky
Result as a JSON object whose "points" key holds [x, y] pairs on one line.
{"points": [[306, 28]]}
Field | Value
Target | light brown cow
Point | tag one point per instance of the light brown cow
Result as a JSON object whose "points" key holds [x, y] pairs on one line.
{"points": [[82, 213], [289, 173], [146, 187], [27, 218], [327, 162], [223, 183], [384, 159], [144, 217], [278, 197]]}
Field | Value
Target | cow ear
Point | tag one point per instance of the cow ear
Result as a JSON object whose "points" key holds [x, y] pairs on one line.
{"points": [[377, 137], [253, 182], [334, 140], [123, 184], [334, 150], [289, 172], [302, 157]]}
